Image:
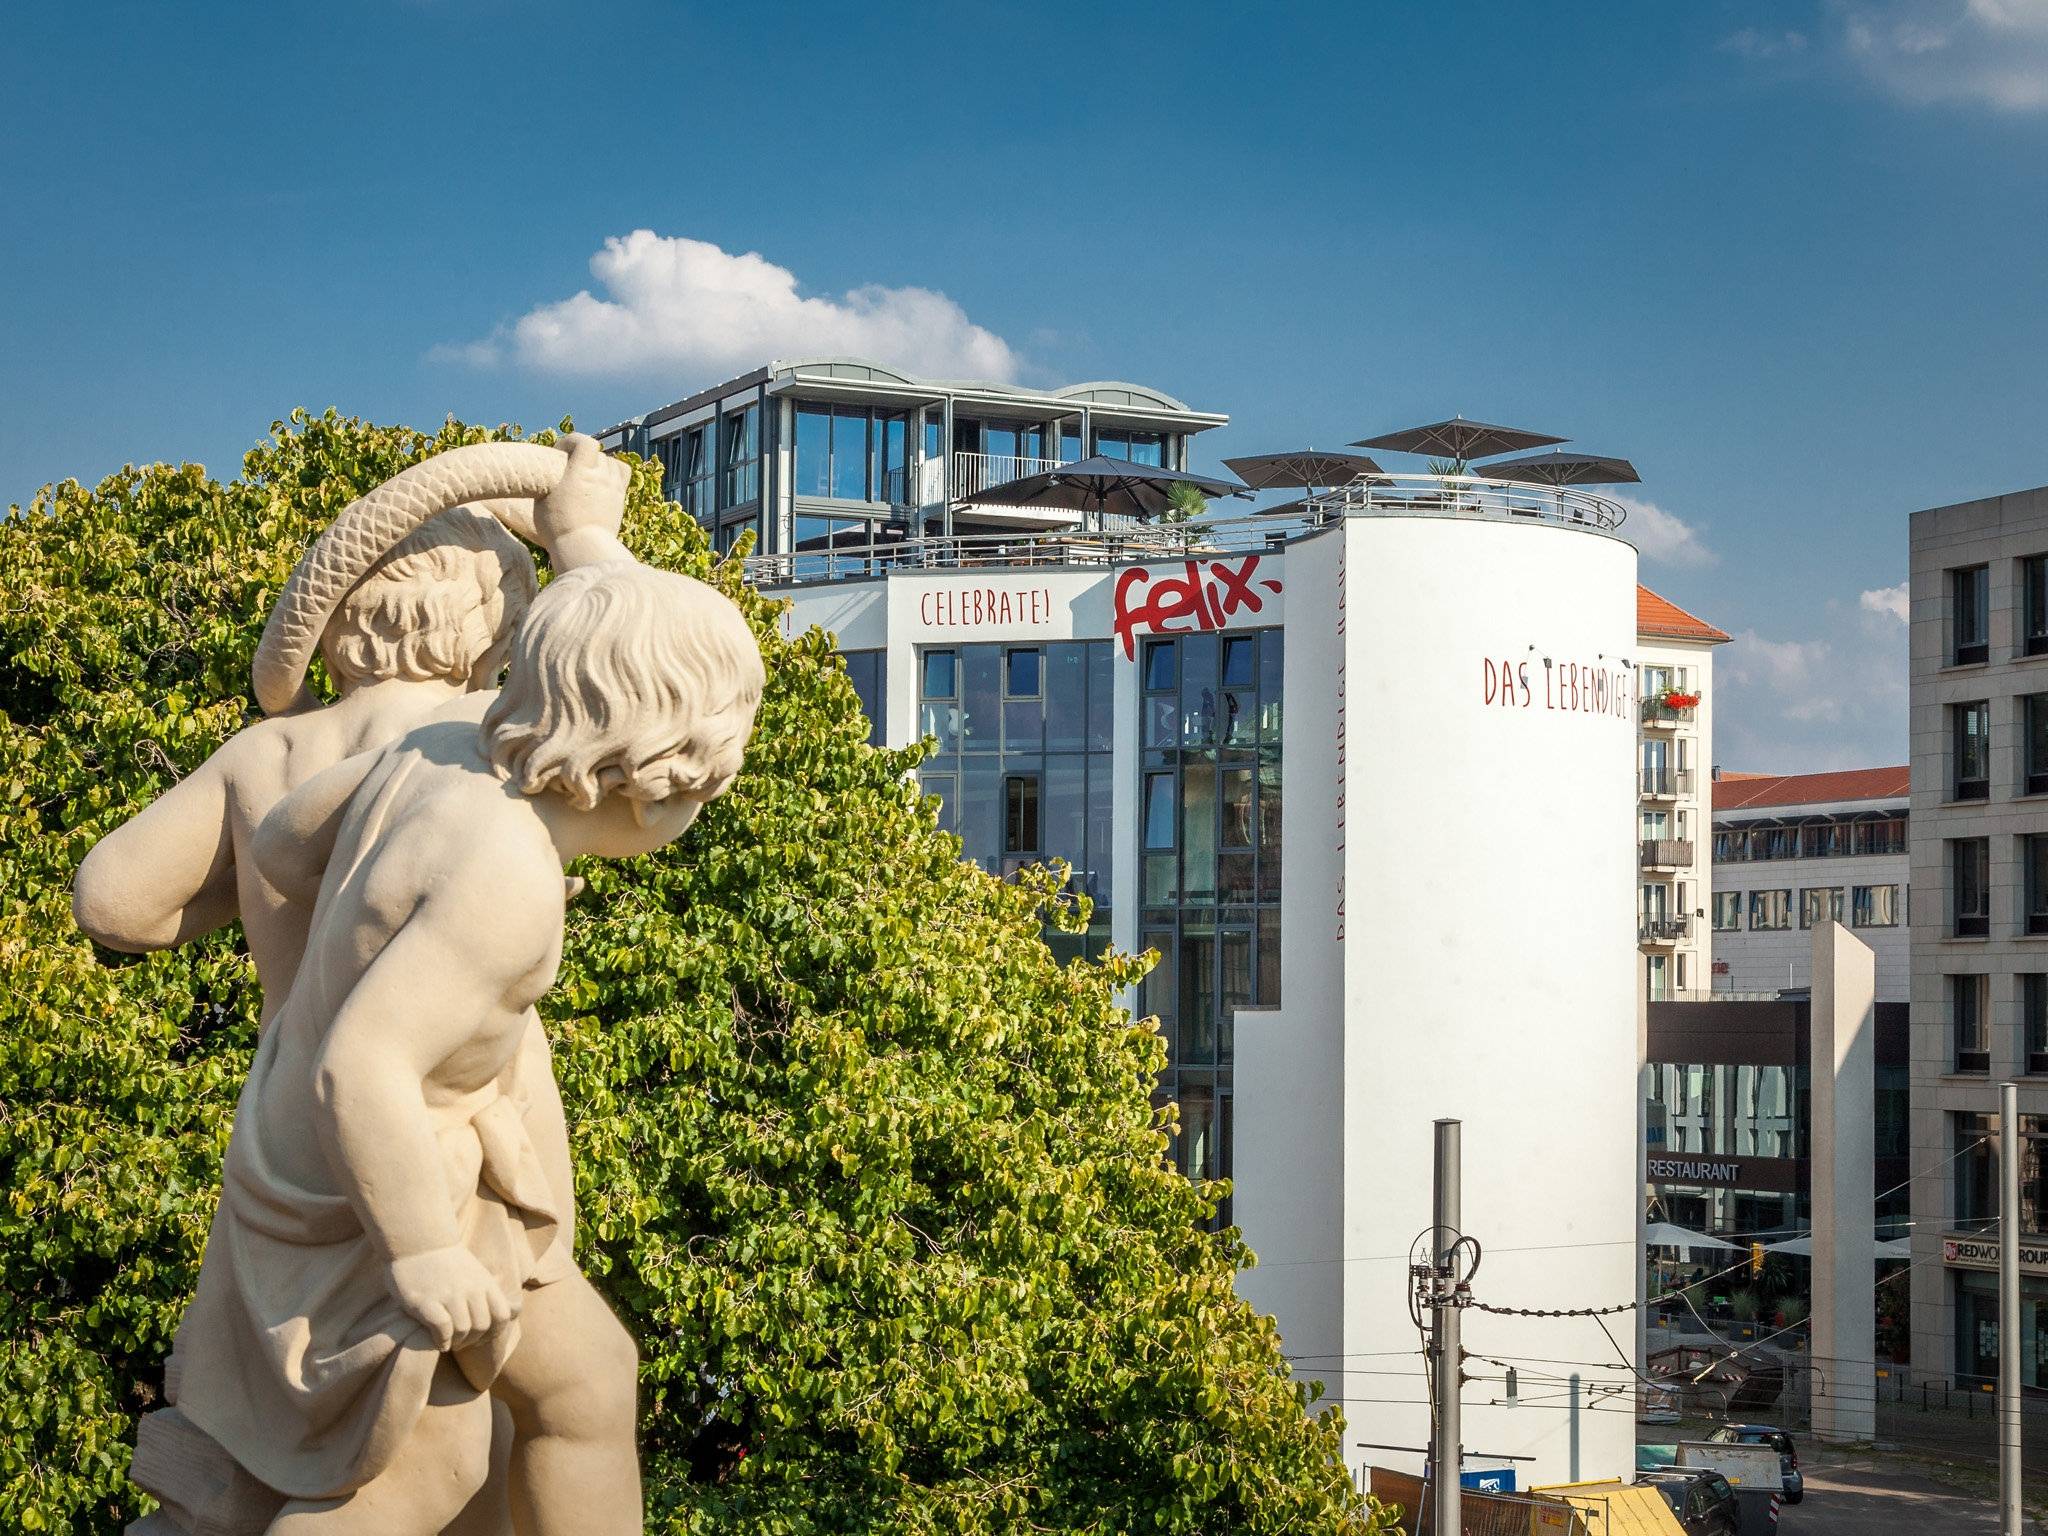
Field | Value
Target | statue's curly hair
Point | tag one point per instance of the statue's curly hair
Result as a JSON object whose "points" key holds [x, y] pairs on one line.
{"points": [[626, 680], [441, 605]]}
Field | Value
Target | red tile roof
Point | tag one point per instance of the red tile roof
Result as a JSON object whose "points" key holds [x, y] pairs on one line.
{"points": [[1752, 791], [1659, 616]]}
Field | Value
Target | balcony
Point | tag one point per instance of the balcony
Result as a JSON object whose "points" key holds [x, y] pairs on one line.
{"points": [[1660, 928], [1667, 853], [975, 473], [1122, 540], [1672, 784], [1665, 716]]}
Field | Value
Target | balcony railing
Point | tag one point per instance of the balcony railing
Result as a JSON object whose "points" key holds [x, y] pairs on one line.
{"points": [[975, 473], [1657, 712], [1123, 541], [1661, 929], [1666, 853], [1672, 784]]}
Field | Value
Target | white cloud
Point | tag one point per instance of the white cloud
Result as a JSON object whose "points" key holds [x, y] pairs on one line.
{"points": [[1891, 601], [1662, 536], [1833, 698], [1991, 53], [677, 306], [1751, 43]]}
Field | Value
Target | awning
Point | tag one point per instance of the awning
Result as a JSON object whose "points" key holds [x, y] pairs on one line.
{"points": [[1664, 1234]]}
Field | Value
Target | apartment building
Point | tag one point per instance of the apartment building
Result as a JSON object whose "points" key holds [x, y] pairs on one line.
{"points": [[1674, 668], [1979, 916], [1791, 850]]}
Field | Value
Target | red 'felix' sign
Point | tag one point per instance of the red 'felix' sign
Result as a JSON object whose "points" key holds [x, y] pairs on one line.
{"points": [[1203, 593]]}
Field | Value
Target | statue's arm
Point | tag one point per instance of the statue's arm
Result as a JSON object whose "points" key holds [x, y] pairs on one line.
{"points": [[167, 875], [449, 973]]}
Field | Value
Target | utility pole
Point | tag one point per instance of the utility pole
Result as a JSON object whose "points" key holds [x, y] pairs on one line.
{"points": [[2008, 1310], [1446, 1451]]}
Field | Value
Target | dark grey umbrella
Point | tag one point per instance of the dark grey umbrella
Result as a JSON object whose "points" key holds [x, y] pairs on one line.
{"points": [[1306, 467], [1458, 439], [1101, 485], [1559, 468]]}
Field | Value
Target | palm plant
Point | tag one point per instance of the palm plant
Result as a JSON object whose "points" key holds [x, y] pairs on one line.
{"points": [[1183, 503]]}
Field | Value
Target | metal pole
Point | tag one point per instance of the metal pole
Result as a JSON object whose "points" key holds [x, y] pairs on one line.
{"points": [[2009, 1310], [1446, 1453]]}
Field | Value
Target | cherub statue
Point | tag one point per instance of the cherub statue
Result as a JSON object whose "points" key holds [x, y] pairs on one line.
{"points": [[356, 1310]]}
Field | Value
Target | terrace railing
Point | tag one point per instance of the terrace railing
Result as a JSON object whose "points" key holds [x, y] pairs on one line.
{"points": [[1124, 540]]}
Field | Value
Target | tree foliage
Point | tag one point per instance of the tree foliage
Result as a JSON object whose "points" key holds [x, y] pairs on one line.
{"points": [[874, 1179]]}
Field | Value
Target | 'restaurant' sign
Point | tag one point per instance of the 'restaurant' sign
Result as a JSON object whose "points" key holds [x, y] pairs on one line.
{"points": [[1187, 598], [1982, 1253]]}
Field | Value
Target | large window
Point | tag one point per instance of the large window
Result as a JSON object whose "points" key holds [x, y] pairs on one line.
{"points": [[1211, 818], [1727, 911], [2033, 640], [1022, 766], [868, 671], [1818, 903], [2034, 866], [1874, 906], [1138, 447], [1969, 1022], [2034, 743], [1770, 909], [1975, 1146], [739, 456], [851, 453], [686, 473], [2034, 1021], [1969, 862], [1969, 750], [1969, 614]]}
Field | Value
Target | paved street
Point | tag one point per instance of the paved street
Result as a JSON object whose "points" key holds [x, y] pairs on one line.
{"points": [[1865, 1495]]}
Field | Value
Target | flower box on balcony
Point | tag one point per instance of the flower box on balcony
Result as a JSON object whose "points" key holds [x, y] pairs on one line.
{"points": [[1676, 700]]}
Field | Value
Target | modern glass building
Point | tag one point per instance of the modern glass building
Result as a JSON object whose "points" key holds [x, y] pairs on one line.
{"points": [[818, 458]]}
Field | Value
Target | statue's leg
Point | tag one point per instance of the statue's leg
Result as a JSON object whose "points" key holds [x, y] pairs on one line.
{"points": [[442, 1464], [487, 1514], [570, 1385]]}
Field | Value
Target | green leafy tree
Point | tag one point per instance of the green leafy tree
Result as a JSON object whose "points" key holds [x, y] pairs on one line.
{"points": [[874, 1179]]}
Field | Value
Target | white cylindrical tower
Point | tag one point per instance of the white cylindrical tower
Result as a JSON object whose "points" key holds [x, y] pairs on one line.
{"points": [[1462, 711]]}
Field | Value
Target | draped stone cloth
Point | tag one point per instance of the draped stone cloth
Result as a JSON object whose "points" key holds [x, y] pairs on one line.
{"points": [[294, 1352]]}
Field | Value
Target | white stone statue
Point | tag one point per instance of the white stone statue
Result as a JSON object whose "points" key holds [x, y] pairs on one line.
{"points": [[391, 1258]]}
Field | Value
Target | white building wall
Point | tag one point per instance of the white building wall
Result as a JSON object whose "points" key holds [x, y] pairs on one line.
{"points": [[1489, 968]]}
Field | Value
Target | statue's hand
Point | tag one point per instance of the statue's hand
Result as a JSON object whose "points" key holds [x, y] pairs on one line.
{"points": [[578, 521], [451, 1295]]}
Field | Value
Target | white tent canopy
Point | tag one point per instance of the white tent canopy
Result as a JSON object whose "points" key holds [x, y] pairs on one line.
{"points": [[1663, 1234]]}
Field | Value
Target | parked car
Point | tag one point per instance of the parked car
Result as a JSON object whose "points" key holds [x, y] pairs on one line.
{"points": [[1703, 1501], [1778, 1440]]}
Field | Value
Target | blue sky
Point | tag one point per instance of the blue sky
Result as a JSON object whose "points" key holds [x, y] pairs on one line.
{"points": [[1791, 258]]}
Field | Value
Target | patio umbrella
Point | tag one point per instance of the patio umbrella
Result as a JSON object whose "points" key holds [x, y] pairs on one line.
{"points": [[1102, 485], [1458, 439], [1305, 467], [1663, 1234], [1560, 468]]}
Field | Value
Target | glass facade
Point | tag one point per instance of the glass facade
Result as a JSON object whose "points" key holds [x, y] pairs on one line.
{"points": [[686, 473], [1730, 1111], [1023, 767], [1210, 822], [852, 453], [868, 671]]}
